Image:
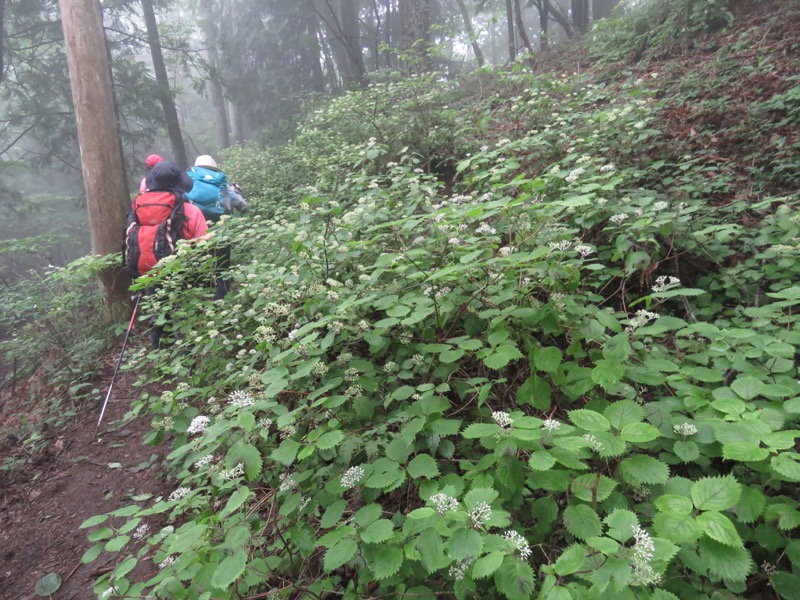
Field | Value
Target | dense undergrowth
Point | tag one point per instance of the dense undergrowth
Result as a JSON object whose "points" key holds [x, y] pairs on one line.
{"points": [[527, 336]]}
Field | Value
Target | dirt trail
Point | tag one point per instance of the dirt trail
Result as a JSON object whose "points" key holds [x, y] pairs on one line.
{"points": [[79, 475]]}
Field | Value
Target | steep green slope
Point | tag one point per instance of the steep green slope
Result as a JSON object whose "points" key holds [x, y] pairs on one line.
{"points": [[528, 335]]}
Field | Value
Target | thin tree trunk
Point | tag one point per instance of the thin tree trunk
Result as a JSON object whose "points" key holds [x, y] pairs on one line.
{"points": [[164, 90], [473, 40], [237, 123], [580, 15], [351, 36], [214, 84], [523, 34], [512, 43], [601, 9], [101, 155]]}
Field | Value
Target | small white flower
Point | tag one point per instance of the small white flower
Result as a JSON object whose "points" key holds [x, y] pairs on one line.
{"points": [[520, 544], [198, 424], [485, 228], [141, 531], [583, 250], [551, 425], [593, 442], [642, 317], [206, 460], [167, 562], [444, 503], [178, 494], [660, 205], [685, 429], [351, 477], [502, 418], [574, 174], [561, 246], [665, 282], [459, 570], [506, 250], [619, 218], [480, 515]]}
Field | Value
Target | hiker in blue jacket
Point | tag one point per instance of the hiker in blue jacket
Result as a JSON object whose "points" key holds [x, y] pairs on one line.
{"points": [[212, 194]]}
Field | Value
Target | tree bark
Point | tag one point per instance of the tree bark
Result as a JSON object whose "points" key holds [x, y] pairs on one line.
{"points": [[215, 90], [351, 36], [415, 25], [102, 163], [164, 90], [523, 34], [580, 15], [512, 43], [544, 24], [473, 40]]}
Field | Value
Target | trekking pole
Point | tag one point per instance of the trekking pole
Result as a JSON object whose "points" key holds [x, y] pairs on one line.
{"points": [[119, 361]]}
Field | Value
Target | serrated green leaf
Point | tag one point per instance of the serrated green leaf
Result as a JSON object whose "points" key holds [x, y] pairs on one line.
{"points": [[480, 430], [187, 538], [638, 433], [546, 359], [751, 505], [125, 567], [621, 524], [423, 465], [236, 500], [91, 554], [333, 514], [451, 356], [465, 543], [286, 452], [229, 570], [496, 361], [379, 531], [92, 521], [732, 563], [571, 560], [387, 562], [421, 513], [541, 460], [589, 420], [744, 452], [486, 565], [679, 505], [787, 464], [593, 487], [686, 451], [641, 469], [719, 527], [607, 373], [716, 493], [622, 413], [747, 387], [340, 553], [582, 522], [100, 534], [329, 440], [116, 544], [515, 579], [678, 528]]}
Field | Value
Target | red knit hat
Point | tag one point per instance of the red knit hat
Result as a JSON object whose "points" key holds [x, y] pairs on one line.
{"points": [[153, 160]]}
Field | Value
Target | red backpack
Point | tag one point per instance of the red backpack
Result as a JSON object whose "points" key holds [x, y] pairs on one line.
{"points": [[154, 227]]}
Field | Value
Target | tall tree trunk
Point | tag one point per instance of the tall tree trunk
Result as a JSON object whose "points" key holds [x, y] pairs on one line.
{"points": [[328, 13], [351, 36], [101, 155], [237, 124], [415, 23], [544, 24], [601, 9], [523, 34], [164, 91], [211, 34], [473, 39], [512, 43], [312, 51], [580, 15], [376, 38]]}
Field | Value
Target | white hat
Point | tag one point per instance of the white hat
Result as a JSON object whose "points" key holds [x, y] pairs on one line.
{"points": [[205, 160]]}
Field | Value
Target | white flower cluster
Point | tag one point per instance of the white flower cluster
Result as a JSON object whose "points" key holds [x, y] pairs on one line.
{"points": [[502, 418], [561, 246], [444, 503], [583, 250], [619, 218], [485, 228], [480, 515], [593, 442], [233, 473], [351, 477], [574, 174], [665, 282], [506, 250], [660, 205], [240, 399], [459, 570], [608, 167], [167, 562], [642, 317], [287, 431], [206, 460], [141, 531], [551, 425], [178, 494], [642, 558], [198, 424], [287, 482], [520, 544], [685, 429]]}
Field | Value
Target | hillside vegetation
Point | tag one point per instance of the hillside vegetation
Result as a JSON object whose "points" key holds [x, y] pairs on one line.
{"points": [[530, 334]]}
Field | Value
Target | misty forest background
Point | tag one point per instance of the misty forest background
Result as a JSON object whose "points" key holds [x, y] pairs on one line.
{"points": [[514, 310]]}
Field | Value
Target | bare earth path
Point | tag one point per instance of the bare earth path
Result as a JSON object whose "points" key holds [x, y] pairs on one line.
{"points": [[43, 502]]}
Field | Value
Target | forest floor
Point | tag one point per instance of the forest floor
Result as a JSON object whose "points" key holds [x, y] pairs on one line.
{"points": [[81, 473]]}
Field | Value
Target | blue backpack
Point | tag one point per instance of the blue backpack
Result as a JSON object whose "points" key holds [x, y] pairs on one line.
{"points": [[207, 192]]}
